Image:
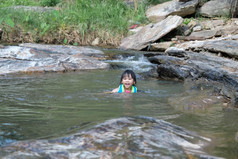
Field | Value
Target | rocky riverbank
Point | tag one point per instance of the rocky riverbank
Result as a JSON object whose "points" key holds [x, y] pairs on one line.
{"points": [[190, 49]]}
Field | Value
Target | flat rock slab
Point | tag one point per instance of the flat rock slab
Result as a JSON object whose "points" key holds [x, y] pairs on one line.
{"points": [[47, 58], [150, 33], [227, 46], [206, 34], [64, 49]]}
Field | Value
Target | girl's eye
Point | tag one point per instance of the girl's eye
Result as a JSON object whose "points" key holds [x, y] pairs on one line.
{"points": [[127, 79]]}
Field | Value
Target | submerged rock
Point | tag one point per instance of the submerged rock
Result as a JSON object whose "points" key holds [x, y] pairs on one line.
{"points": [[141, 137], [30, 58], [204, 94]]}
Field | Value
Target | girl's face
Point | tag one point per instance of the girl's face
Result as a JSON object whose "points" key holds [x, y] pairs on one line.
{"points": [[127, 81]]}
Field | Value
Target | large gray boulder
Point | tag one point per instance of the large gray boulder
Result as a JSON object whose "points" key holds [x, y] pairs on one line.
{"points": [[150, 33], [203, 65], [215, 8], [19, 59], [161, 11]]}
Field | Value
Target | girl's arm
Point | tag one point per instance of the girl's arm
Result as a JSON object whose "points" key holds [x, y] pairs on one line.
{"points": [[115, 90]]}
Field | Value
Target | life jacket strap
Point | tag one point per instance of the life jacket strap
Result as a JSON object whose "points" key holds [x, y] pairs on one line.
{"points": [[122, 89]]}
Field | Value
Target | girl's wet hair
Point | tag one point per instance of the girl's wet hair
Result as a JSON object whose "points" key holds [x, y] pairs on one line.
{"points": [[128, 73]]}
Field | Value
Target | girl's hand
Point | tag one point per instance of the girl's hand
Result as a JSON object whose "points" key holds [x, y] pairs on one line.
{"points": [[115, 90]]}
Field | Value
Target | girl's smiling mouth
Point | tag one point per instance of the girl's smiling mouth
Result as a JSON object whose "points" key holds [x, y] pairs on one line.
{"points": [[127, 84]]}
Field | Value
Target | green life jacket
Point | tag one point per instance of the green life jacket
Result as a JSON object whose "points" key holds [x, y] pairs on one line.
{"points": [[122, 89]]}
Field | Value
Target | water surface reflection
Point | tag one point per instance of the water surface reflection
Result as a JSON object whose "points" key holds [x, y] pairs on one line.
{"points": [[55, 105]]}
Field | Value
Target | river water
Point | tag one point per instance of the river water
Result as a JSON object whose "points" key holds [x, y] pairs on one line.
{"points": [[49, 106]]}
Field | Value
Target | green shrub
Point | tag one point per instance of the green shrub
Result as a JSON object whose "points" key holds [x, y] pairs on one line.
{"points": [[77, 21], [49, 3], [5, 3], [186, 21]]}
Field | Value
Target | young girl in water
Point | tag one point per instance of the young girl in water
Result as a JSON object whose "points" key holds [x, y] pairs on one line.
{"points": [[127, 83]]}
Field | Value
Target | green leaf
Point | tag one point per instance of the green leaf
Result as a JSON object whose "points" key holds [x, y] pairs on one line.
{"points": [[65, 41], [75, 44], [27, 18], [43, 25], [55, 16], [44, 30], [10, 22], [1, 21], [56, 13]]}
